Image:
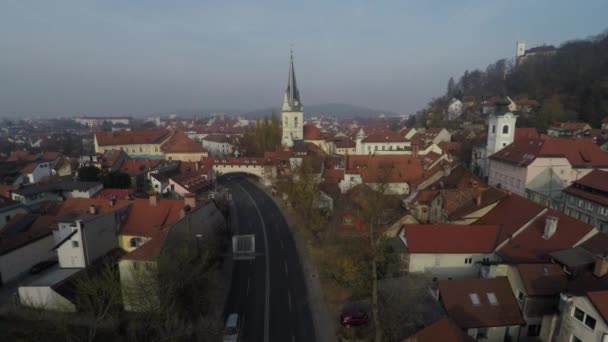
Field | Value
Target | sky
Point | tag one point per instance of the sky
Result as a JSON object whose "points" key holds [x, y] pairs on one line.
{"points": [[117, 57]]}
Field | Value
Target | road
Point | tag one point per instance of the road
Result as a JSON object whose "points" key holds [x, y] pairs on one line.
{"points": [[269, 293]]}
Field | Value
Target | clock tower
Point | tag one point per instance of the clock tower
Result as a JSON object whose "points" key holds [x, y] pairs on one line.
{"points": [[292, 115]]}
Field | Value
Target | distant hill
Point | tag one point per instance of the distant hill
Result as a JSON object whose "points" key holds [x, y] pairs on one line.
{"points": [[340, 110]]}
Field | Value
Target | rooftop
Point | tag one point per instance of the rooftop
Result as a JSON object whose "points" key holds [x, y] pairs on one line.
{"points": [[442, 330], [542, 279], [450, 238], [181, 143], [131, 137]]}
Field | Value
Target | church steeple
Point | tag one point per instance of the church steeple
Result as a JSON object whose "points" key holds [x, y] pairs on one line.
{"points": [[291, 102]]}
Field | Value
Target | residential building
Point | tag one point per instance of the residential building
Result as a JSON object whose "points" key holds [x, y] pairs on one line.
{"points": [[181, 147], [586, 199], [549, 165], [568, 129], [584, 317], [141, 144], [292, 115], [57, 191], [381, 142], [95, 122], [485, 308], [8, 210], [219, 145], [448, 251]]}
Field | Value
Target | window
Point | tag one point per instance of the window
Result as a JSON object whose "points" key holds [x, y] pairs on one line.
{"points": [[481, 333], [589, 206], [468, 260], [474, 299], [505, 129], [295, 122], [581, 203], [584, 318], [533, 330], [135, 242], [492, 298], [604, 211], [75, 244]]}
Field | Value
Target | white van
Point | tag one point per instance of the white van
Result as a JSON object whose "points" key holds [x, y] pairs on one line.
{"points": [[231, 330]]}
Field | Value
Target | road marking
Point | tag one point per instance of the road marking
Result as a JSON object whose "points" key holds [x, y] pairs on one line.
{"points": [[248, 281], [267, 257], [289, 300], [286, 270]]}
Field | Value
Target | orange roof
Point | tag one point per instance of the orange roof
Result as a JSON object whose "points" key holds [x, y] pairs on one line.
{"points": [[42, 226], [312, 132], [21, 155], [81, 206], [131, 137], [596, 179], [572, 125], [181, 143], [394, 168], [384, 136], [442, 330], [600, 301], [147, 220], [522, 133], [29, 168], [449, 238], [458, 299], [542, 279]]}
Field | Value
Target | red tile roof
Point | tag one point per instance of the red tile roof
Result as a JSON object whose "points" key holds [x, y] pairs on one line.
{"points": [[504, 214], [181, 143], [131, 137], [581, 153], [393, 168], [596, 179], [449, 238], [21, 155], [42, 226], [80, 206], [193, 182], [530, 246], [571, 125], [600, 301], [312, 132], [109, 193], [542, 279], [442, 330], [147, 220], [384, 136], [461, 202], [522, 133], [136, 165], [151, 249], [29, 168], [455, 295]]}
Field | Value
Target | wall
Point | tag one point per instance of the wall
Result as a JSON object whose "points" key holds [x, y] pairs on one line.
{"points": [[447, 265], [19, 261], [100, 236], [132, 149], [497, 334], [44, 297], [571, 326], [217, 149], [510, 176], [41, 171], [69, 256], [190, 157]]}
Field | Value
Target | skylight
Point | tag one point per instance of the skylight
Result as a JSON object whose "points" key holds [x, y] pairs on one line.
{"points": [[474, 299], [492, 298]]}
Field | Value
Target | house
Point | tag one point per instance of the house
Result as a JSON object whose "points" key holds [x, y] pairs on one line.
{"points": [[8, 210], [345, 146], [313, 135], [485, 308], [219, 145], [454, 109], [112, 160], [537, 288], [394, 171], [141, 144], [586, 199], [189, 183], [25, 240], [381, 142], [516, 166], [433, 135], [448, 251], [57, 191], [442, 330], [568, 129], [584, 317], [180, 147], [36, 171], [147, 260]]}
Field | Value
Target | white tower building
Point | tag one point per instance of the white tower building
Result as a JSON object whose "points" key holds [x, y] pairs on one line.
{"points": [[520, 49], [292, 114], [501, 128]]}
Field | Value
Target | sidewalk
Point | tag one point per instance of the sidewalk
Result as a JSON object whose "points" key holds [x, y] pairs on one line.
{"points": [[321, 318]]}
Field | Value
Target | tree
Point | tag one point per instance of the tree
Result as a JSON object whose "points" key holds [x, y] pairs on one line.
{"points": [[89, 174], [451, 89], [117, 180]]}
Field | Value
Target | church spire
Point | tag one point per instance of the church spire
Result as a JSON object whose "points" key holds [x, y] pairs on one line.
{"points": [[291, 102]]}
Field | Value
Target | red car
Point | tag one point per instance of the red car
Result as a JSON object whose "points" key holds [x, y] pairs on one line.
{"points": [[353, 317]]}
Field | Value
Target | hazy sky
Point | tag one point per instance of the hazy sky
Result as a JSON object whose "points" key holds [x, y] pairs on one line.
{"points": [[138, 57]]}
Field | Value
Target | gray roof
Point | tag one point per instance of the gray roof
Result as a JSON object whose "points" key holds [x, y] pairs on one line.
{"points": [[51, 187], [573, 257]]}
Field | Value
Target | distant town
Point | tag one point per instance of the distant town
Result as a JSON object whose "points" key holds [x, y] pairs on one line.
{"points": [[466, 221]]}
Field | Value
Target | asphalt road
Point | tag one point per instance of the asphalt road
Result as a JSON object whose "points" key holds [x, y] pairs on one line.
{"points": [[269, 293]]}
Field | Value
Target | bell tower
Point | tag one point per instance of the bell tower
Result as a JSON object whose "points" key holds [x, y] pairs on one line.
{"points": [[292, 115], [501, 127]]}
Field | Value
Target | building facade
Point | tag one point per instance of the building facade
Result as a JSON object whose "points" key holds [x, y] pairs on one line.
{"points": [[292, 115]]}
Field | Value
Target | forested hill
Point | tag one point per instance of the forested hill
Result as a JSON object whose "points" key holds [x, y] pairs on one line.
{"points": [[571, 84]]}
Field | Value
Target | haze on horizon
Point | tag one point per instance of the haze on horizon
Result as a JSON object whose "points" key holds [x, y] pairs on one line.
{"points": [[65, 58]]}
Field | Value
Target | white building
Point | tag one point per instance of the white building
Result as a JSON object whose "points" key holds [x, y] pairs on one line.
{"points": [[454, 109], [292, 115], [218, 145]]}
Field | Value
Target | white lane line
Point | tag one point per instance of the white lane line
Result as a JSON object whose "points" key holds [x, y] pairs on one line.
{"points": [[289, 300], [267, 257], [248, 281], [286, 270]]}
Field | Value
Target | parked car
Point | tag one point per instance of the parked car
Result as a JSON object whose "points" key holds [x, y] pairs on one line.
{"points": [[43, 265], [231, 330], [353, 317]]}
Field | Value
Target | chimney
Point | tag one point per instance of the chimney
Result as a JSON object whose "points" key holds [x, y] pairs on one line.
{"points": [[152, 199], [550, 227], [92, 210], [601, 266], [190, 200]]}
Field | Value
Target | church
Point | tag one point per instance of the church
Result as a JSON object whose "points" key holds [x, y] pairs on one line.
{"points": [[292, 114]]}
